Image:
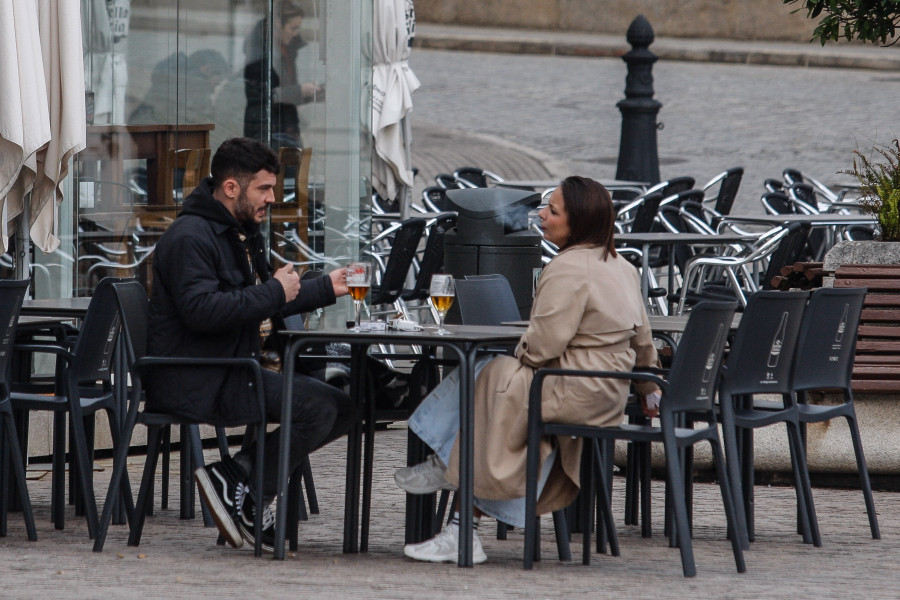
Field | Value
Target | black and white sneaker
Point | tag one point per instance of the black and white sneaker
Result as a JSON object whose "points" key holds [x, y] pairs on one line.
{"points": [[244, 520], [220, 485]]}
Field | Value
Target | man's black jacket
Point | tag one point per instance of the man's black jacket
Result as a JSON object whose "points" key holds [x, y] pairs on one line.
{"points": [[205, 302]]}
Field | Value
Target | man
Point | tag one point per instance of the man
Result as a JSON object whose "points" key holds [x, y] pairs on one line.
{"points": [[213, 296]]}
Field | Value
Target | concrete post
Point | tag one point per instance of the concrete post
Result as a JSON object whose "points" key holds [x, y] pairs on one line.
{"points": [[638, 156]]}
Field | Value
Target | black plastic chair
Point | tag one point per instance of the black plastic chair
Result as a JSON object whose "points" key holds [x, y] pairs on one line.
{"points": [[824, 361], [405, 244], [761, 362], [432, 257], [83, 387], [486, 301], [131, 302], [690, 389], [12, 294]]}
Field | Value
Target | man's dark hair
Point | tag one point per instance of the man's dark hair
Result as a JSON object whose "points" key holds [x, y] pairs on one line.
{"points": [[242, 158], [590, 213]]}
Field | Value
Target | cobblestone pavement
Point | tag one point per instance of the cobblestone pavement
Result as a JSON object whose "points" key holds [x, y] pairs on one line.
{"points": [[715, 115], [180, 559]]}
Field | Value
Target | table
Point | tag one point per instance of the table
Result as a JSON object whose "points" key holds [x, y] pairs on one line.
{"points": [[73, 308], [646, 240], [818, 220], [658, 323], [465, 341]]}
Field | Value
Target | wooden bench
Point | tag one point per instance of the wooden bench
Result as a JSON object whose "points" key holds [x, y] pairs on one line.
{"points": [[877, 365]]}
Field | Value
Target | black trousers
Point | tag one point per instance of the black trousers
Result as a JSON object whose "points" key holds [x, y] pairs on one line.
{"points": [[320, 413]]}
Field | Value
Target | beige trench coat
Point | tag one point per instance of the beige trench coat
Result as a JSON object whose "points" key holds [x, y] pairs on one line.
{"points": [[587, 314]]}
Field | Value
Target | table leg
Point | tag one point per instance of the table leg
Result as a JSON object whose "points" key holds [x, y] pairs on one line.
{"points": [[466, 450], [358, 362], [287, 391], [354, 443]]}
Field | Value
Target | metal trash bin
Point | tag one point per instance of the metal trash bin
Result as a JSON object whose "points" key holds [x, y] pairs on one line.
{"points": [[492, 237]]}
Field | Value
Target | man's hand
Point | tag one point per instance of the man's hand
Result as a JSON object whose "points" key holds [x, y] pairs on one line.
{"points": [[339, 282], [289, 280]]}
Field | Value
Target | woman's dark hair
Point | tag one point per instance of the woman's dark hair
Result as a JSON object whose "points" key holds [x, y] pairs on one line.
{"points": [[289, 10], [241, 158], [590, 213]]}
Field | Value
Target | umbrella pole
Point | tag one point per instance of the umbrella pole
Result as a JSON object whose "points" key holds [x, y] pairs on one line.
{"points": [[21, 256], [405, 190]]}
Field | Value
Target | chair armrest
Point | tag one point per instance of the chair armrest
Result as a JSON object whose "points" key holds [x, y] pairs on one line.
{"points": [[46, 349], [537, 384]]}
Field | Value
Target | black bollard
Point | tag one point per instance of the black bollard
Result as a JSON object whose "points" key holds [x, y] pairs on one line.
{"points": [[638, 156]]}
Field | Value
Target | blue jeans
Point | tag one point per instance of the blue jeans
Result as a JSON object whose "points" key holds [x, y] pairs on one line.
{"points": [[436, 422]]}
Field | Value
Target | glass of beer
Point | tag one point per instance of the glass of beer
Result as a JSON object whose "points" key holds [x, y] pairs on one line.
{"points": [[359, 280], [441, 293]]}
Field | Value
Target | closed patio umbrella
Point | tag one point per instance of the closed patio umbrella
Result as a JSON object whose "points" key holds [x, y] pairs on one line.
{"points": [[24, 115], [64, 77], [42, 117], [393, 83]]}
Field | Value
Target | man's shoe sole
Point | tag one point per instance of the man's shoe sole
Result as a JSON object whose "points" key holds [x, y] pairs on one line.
{"points": [[247, 535], [220, 513]]}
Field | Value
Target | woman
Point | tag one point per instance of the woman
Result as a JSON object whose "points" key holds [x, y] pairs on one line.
{"points": [[286, 89], [588, 314]]}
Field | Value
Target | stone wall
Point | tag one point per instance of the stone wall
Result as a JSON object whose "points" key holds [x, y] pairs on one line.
{"points": [[728, 19]]}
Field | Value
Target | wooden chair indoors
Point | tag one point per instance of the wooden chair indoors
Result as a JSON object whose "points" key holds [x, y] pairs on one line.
{"points": [[289, 229]]}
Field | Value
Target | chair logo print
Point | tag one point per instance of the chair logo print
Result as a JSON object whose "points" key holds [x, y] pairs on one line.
{"points": [[710, 366], [839, 336], [777, 343]]}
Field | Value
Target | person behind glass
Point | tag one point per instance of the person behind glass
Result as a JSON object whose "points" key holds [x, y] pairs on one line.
{"points": [[588, 314], [286, 88], [214, 295]]}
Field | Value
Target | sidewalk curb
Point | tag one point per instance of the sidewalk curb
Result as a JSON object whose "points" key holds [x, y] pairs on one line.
{"points": [[523, 41]]}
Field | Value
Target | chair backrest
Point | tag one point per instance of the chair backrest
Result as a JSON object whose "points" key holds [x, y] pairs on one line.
{"points": [[448, 181], [403, 251], [777, 203], [792, 176], [760, 359], [673, 186], [728, 190], [12, 294], [695, 366], [827, 345], [803, 195], [98, 334], [486, 301], [475, 176], [435, 198], [791, 249], [134, 306], [294, 161], [645, 213], [183, 171], [432, 257]]}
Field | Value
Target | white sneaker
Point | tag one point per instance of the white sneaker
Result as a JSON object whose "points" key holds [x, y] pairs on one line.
{"points": [[444, 547], [424, 478]]}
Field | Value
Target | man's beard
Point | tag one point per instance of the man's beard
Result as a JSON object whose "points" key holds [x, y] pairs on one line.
{"points": [[243, 209]]}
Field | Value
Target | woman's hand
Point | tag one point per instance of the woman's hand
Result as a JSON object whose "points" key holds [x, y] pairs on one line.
{"points": [[650, 403]]}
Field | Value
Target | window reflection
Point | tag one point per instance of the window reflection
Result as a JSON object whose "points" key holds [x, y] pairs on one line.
{"points": [[170, 80]]}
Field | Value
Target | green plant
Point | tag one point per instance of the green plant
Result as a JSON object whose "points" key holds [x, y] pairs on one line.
{"points": [[880, 186], [874, 21]]}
